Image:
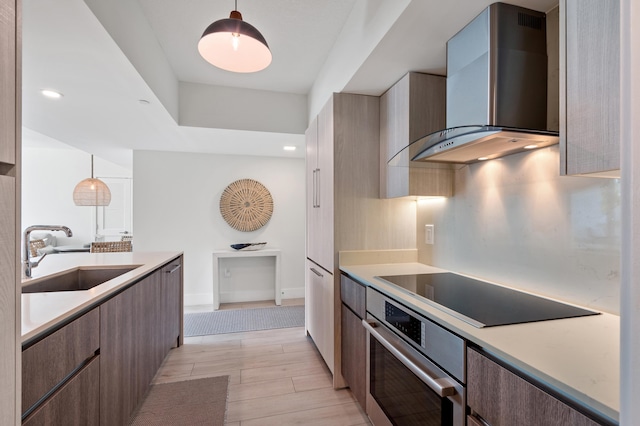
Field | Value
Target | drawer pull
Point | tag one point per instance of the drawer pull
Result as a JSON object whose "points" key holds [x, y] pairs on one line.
{"points": [[175, 268], [316, 272]]}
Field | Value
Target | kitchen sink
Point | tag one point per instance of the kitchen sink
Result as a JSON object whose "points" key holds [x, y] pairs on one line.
{"points": [[77, 279]]}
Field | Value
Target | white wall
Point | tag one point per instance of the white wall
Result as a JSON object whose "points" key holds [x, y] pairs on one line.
{"points": [[516, 221], [176, 207], [49, 176]]}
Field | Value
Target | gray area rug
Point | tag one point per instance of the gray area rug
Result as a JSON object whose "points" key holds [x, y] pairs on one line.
{"points": [[189, 402], [238, 320]]}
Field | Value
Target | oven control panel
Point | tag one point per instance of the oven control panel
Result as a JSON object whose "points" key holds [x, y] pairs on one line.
{"points": [[405, 323], [436, 342]]}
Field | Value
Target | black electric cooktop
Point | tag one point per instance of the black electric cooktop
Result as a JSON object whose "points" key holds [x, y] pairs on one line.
{"points": [[480, 303]]}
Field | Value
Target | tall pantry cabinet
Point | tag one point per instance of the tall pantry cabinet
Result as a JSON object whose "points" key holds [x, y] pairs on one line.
{"points": [[342, 159], [10, 107]]}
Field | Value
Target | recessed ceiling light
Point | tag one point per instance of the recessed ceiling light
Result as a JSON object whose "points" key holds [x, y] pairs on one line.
{"points": [[531, 147], [289, 148], [51, 93]]}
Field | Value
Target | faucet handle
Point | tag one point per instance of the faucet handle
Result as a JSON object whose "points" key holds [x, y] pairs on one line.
{"points": [[36, 263]]}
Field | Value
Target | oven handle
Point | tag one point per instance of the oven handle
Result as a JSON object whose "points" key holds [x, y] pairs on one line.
{"points": [[442, 386]]}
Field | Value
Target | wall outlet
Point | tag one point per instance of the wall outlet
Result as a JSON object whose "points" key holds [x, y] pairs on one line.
{"points": [[429, 231]]}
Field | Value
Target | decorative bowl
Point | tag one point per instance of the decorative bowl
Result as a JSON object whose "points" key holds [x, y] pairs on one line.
{"points": [[248, 246]]}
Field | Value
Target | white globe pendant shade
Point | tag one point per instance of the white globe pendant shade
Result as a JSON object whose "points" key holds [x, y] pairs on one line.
{"points": [[234, 45], [91, 192]]}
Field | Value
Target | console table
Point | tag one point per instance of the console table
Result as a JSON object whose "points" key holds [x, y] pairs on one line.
{"points": [[220, 254]]}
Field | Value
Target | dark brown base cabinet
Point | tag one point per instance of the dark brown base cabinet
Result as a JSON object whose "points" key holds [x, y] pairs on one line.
{"points": [[501, 398], [98, 368], [65, 362], [354, 337], [138, 327], [77, 402]]}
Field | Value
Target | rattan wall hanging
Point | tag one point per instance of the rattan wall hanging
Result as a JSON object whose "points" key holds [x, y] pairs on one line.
{"points": [[246, 205]]}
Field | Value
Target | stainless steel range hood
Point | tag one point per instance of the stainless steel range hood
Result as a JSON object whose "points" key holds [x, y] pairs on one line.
{"points": [[496, 90]]}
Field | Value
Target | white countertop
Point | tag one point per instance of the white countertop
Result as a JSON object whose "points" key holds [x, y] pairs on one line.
{"points": [[41, 311], [577, 357]]}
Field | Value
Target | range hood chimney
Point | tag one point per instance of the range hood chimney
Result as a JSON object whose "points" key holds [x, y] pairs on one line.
{"points": [[496, 90]]}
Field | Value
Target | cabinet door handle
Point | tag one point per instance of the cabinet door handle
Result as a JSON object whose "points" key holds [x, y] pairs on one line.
{"points": [[316, 272], [318, 188], [315, 184], [175, 268]]}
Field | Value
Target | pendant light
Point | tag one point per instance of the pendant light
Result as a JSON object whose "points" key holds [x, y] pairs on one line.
{"points": [[91, 192], [234, 45]]}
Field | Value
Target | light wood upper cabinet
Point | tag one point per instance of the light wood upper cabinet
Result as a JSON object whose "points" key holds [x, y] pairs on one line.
{"points": [[313, 212], [589, 87], [8, 73], [319, 139], [414, 107], [342, 209], [10, 125]]}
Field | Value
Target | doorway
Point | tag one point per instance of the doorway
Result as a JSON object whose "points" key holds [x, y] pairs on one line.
{"points": [[116, 220]]}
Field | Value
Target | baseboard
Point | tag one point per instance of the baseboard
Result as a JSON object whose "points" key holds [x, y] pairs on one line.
{"points": [[245, 296], [197, 299], [292, 293]]}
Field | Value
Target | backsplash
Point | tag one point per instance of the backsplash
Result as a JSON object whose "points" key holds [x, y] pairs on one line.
{"points": [[515, 221]]}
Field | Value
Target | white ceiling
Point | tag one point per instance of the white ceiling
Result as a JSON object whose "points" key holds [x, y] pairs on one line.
{"points": [[103, 68], [300, 34]]}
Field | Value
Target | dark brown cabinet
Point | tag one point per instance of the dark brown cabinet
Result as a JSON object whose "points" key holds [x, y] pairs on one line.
{"points": [[77, 402], [173, 303], [138, 327], [97, 368], [354, 337], [132, 335], [60, 364], [502, 398]]}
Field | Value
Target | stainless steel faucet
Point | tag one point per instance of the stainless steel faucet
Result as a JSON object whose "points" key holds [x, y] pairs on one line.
{"points": [[28, 263]]}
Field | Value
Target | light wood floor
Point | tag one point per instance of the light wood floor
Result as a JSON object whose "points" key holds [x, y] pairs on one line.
{"points": [[277, 377]]}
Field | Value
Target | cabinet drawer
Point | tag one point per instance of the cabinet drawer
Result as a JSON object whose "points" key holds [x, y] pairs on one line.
{"points": [[354, 354], [353, 295], [502, 398], [77, 402], [48, 362]]}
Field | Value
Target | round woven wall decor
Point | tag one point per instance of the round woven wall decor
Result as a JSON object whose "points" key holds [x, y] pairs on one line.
{"points": [[246, 205]]}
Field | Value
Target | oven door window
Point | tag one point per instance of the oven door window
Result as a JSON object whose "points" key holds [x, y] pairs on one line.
{"points": [[404, 398]]}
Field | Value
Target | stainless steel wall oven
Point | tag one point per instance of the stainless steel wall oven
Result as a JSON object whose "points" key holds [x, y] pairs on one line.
{"points": [[415, 368]]}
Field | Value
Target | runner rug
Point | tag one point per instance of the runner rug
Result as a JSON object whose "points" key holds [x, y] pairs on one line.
{"points": [[239, 320], [184, 403]]}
